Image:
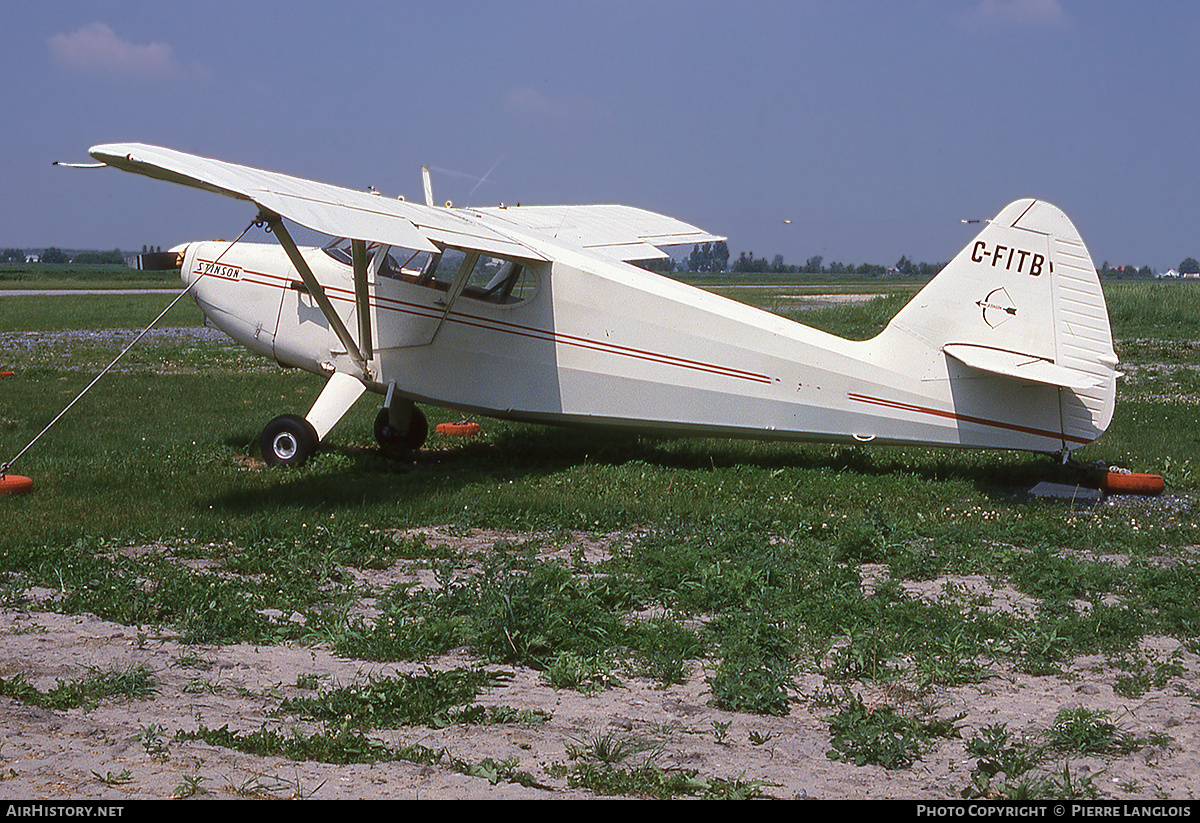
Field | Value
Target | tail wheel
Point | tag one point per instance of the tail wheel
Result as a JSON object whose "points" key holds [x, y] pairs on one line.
{"points": [[396, 440], [288, 440]]}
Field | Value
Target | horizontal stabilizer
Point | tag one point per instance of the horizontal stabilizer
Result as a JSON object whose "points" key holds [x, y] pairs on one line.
{"points": [[1020, 366]]}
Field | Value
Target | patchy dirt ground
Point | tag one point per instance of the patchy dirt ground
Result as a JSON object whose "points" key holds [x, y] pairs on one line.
{"points": [[126, 749]]}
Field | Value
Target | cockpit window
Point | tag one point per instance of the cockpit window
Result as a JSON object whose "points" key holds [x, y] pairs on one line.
{"points": [[491, 280], [398, 264], [496, 280]]}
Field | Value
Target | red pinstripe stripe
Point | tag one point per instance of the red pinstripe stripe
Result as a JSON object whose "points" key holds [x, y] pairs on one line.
{"points": [[417, 310], [962, 418]]}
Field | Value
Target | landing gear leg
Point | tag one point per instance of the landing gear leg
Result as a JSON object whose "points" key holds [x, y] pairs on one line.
{"points": [[290, 440]]}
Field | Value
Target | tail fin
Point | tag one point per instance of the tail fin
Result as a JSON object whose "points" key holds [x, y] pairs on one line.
{"points": [[1023, 301]]}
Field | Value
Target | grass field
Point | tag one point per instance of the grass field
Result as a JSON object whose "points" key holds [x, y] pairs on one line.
{"points": [[750, 556], [50, 276]]}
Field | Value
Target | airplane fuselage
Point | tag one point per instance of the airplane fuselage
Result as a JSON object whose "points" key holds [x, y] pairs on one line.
{"points": [[535, 314], [604, 343]]}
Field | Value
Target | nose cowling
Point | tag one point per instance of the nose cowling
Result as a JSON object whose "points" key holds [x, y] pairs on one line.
{"points": [[186, 273], [237, 289]]}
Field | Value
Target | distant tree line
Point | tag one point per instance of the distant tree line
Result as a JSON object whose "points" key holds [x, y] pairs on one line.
{"points": [[714, 257], [98, 257], [705, 257], [55, 255], [1123, 272], [747, 263], [709, 257], [1189, 266]]}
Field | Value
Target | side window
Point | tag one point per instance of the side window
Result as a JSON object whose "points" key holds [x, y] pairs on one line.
{"points": [[404, 264], [496, 280], [397, 263], [440, 270]]}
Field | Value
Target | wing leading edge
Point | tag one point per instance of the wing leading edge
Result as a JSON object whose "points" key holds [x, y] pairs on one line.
{"points": [[320, 207], [529, 232]]}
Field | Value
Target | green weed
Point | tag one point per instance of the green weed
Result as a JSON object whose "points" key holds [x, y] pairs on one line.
{"points": [[880, 735], [756, 670], [405, 700], [153, 742], [997, 752], [343, 745], [1143, 674], [1035, 785], [582, 674], [133, 683], [121, 778], [531, 616], [406, 629], [1089, 731], [191, 786], [1013, 769], [610, 764]]}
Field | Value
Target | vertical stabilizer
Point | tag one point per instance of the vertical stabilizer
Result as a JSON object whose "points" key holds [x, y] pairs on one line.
{"points": [[1023, 302]]}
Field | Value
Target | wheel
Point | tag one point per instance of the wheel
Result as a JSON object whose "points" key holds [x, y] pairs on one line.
{"points": [[288, 440], [394, 440]]}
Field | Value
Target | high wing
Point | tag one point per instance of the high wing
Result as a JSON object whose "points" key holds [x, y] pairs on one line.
{"points": [[529, 232], [323, 208]]}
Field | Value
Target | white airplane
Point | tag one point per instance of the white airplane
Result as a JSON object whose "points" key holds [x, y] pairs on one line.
{"points": [[535, 314]]}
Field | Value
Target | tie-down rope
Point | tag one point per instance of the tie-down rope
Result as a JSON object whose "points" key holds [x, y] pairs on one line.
{"points": [[5, 467]]}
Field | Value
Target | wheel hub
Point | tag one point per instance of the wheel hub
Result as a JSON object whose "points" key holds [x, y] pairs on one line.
{"points": [[284, 446]]}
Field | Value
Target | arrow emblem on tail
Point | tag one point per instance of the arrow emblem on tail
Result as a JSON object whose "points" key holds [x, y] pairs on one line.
{"points": [[997, 307]]}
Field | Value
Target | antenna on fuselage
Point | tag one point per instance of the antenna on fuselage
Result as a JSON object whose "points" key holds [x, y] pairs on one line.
{"points": [[428, 185]]}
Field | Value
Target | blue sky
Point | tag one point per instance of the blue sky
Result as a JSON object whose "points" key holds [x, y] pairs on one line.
{"points": [[873, 127]]}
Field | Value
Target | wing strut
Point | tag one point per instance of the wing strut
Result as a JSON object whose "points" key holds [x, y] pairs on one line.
{"points": [[362, 300], [275, 222]]}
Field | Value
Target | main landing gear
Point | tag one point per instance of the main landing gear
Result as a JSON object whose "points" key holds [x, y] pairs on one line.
{"points": [[289, 440], [396, 435]]}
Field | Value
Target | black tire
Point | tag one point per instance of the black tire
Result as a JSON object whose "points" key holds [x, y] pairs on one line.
{"points": [[395, 441], [288, 440]]}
